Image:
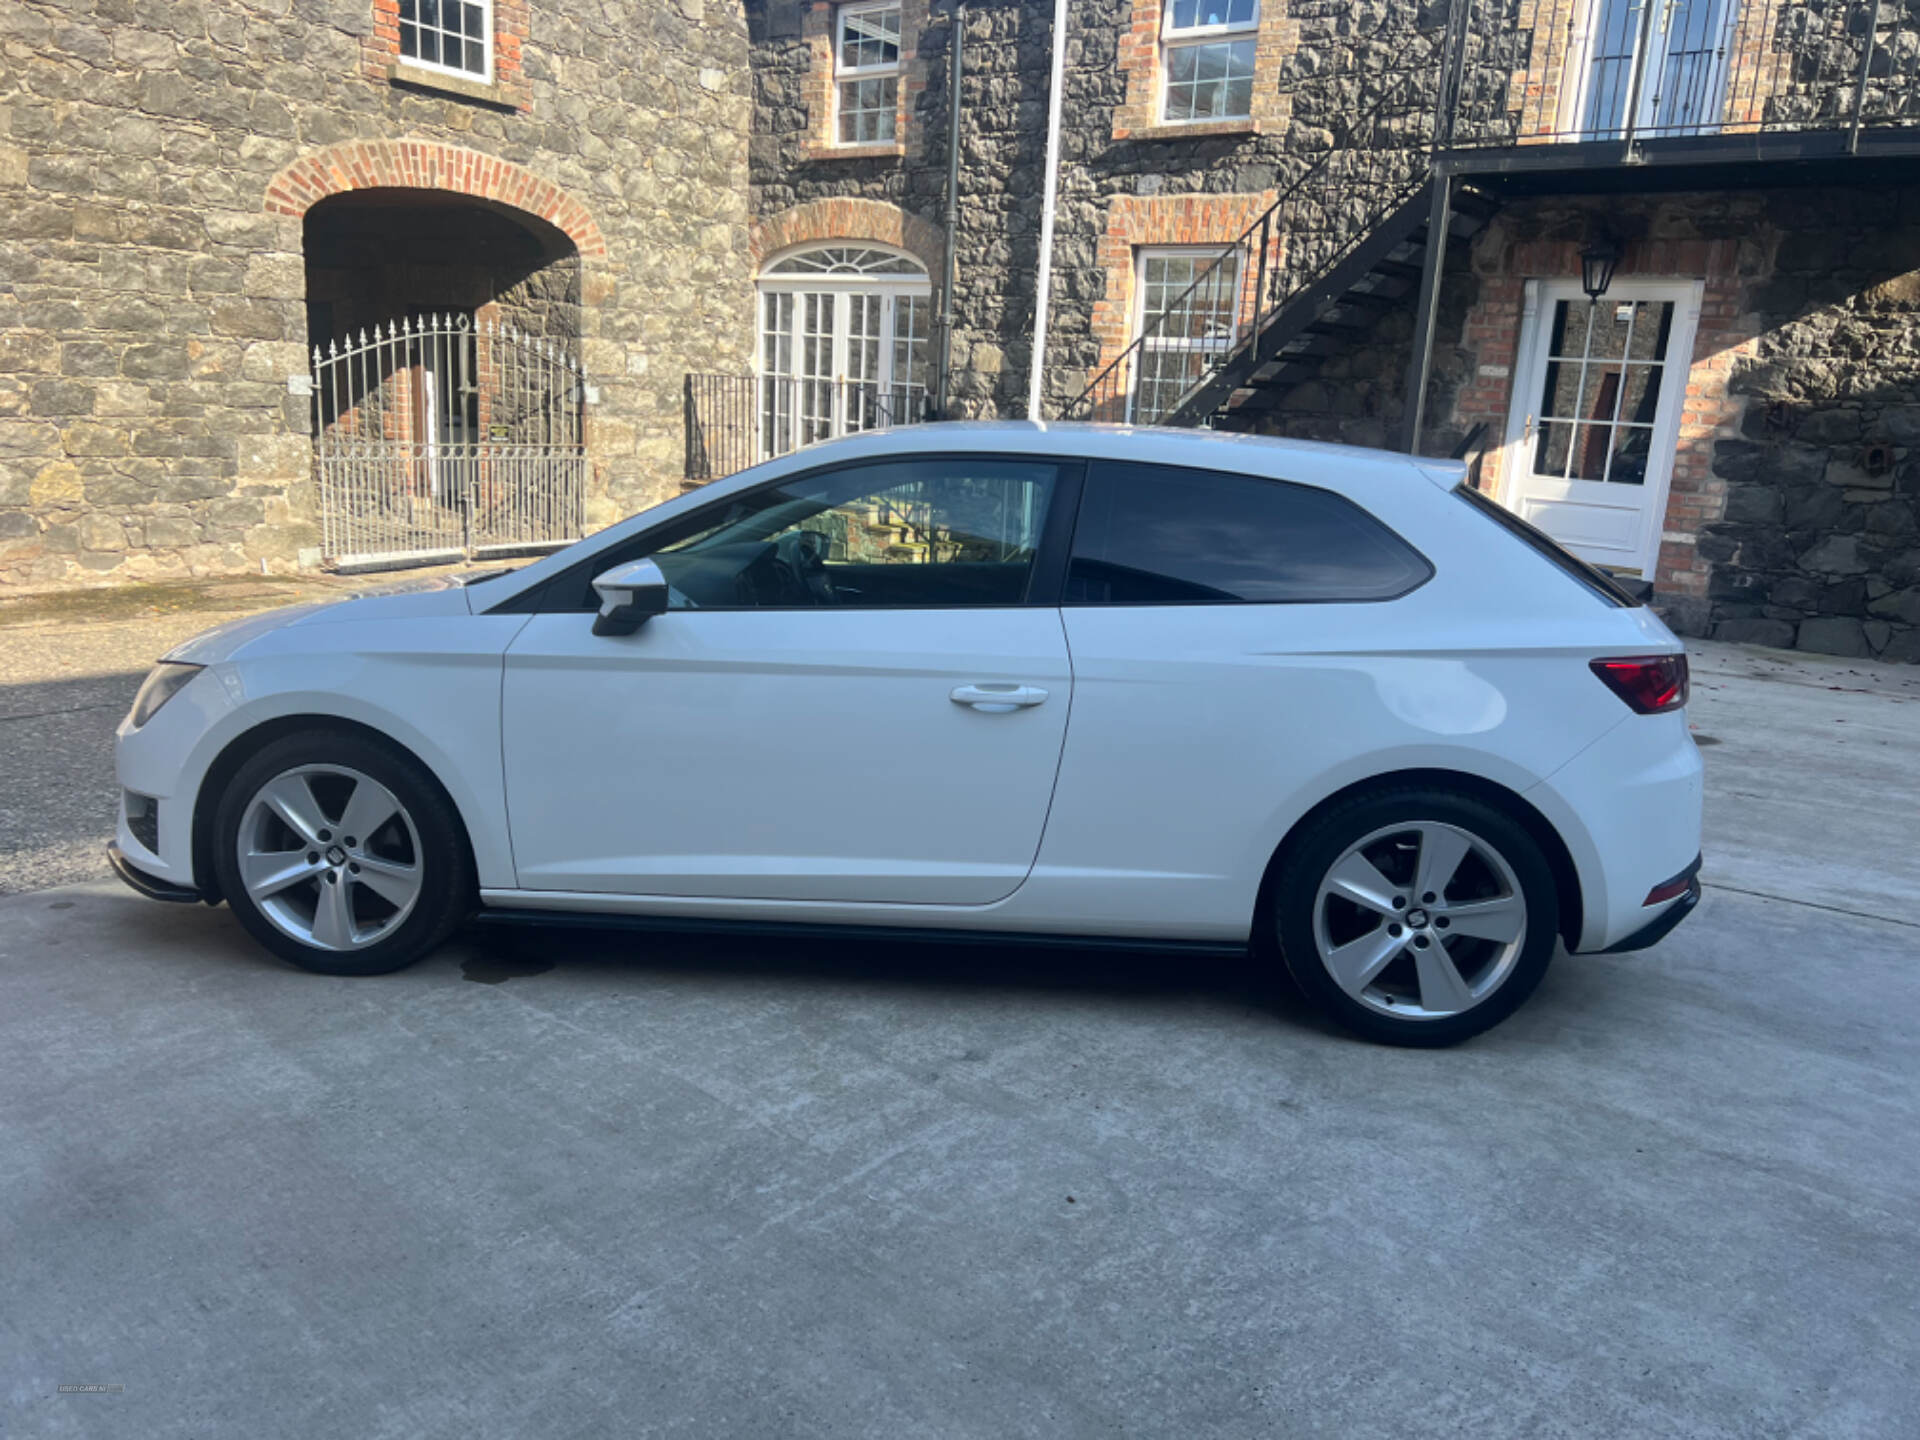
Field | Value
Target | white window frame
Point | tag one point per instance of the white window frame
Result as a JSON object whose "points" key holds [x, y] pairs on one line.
{"points": [[844, 74], [1141, 256], [459, 72], [1174, 37], [888, 289]]}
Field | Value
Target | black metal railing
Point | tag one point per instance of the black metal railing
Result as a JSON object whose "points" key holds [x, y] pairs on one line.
{"points": [[1366, 171], [734, 421], [1624, 73], [1647, 70]]}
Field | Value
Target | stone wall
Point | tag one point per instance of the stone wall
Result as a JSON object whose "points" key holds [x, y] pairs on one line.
{"points": [[154, 300], [1819, 545], [1322, 64]]}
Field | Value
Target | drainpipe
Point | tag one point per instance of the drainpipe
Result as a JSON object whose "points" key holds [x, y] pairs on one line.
{"points": [[1043, 283], [943, 362]]}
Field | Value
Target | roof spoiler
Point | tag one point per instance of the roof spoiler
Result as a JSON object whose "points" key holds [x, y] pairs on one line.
{"points": [[1447, 474]]}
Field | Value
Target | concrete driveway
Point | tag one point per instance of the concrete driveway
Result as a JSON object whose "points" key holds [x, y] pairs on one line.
{"points": [[693, 1187]]}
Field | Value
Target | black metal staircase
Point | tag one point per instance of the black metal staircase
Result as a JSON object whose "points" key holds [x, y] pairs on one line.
{"points": [[1382, 273]]}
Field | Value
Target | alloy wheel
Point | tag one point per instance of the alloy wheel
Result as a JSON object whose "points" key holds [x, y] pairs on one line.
{"points": [[1420, 921], [330, 856]]}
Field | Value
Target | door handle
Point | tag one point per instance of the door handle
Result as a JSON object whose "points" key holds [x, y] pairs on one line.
{"points": [[998, 699]]}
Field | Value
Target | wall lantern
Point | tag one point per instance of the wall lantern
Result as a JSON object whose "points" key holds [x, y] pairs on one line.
{"points": [[1597, 264]]}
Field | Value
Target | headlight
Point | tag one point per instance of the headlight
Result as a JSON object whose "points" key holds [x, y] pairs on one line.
{"points": [[163, 682]]}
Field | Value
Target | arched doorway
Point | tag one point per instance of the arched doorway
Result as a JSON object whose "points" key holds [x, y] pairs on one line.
{"points": [[843, 342], [448, 418]]}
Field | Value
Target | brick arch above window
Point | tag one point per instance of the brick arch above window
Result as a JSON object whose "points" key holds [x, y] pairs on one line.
{"points": [[429, 165], [845, 219]]}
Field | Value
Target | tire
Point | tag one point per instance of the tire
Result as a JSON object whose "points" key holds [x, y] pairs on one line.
{"points": [[1359, 935], [315, 892]]}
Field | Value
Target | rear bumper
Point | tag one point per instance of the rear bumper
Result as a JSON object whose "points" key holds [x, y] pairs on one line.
{"points": [[1662, 925], [1628, 808], [151, 886]]}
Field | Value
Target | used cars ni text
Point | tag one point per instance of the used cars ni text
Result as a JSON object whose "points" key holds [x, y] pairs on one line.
{"points": [[1036, 680]]}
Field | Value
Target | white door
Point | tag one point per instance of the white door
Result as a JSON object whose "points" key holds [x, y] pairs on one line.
{"points": [[850, 700], [1596, 415]]}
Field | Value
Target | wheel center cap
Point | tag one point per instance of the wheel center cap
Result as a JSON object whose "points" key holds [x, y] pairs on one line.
{"points": [[1417, 919], [336, 856]]}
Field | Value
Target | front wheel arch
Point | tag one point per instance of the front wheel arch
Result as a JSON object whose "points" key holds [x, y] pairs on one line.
{"points": [[206, 801], [1566, 878]]}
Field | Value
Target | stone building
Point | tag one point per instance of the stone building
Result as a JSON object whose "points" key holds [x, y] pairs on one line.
{"points": [[1671, 318], [507, 210], [1246, 192]]}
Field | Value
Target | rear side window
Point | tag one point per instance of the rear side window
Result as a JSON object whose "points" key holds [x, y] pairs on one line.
{"points": [[1160, 535], [1591, 576]]}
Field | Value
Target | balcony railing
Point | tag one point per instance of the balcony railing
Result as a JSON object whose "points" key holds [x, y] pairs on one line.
{"points": [[1649, 70], [734, 421]]}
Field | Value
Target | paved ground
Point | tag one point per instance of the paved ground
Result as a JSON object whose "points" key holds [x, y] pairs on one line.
{"points": [[699, 1188]]}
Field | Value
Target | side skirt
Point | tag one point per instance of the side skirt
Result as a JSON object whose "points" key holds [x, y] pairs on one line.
{"points": [[898, 934]]}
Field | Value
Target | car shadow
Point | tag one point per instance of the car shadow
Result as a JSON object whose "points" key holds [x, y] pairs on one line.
{"points": [[497, 954]]}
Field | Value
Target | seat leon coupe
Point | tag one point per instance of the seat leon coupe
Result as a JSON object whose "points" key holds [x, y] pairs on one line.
{"points": [[1039, 681]]}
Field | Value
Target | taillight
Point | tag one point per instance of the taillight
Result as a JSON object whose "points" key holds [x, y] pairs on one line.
{"points": [[1650, 684]]}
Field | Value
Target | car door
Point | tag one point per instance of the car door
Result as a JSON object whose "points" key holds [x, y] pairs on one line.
{"points": [[850, 698]]}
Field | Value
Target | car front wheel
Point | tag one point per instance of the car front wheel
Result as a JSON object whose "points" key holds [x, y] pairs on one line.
{"points": [[339, 854], [1416, 916]]}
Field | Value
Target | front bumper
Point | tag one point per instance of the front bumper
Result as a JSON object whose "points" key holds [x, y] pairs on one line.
{"points": [[151, 886]]}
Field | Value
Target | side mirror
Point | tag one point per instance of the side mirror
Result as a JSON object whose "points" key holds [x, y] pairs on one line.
{"points": [[630, 595]]}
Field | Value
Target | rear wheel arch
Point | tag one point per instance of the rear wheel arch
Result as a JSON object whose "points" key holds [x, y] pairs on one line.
{"points": [[237, 751], [1566, 878]]}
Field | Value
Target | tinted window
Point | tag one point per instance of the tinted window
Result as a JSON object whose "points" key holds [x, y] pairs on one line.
{"points": [[1155, 535], [940, 531]]}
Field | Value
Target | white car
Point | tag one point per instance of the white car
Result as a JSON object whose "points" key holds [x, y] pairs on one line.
{"points": [[1060, 681]]}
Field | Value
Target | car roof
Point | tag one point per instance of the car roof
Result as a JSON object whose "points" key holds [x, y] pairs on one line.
{"points": [[1273, 457]]}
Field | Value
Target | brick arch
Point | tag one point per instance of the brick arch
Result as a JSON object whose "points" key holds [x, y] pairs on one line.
{"points": [[848, 218], [429, 165]]}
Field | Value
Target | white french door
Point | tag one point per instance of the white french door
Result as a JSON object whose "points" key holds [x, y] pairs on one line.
{"points": [[1676, 88], [839, 359], [1596, 415]]}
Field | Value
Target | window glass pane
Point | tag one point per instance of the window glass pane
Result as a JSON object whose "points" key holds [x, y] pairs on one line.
{"points": [[1210, 82], [445, 32], [901, 535], [869, 37], [1155, 535], [1554, 446], [1632, 445], [1190, 14], [867, 110]]}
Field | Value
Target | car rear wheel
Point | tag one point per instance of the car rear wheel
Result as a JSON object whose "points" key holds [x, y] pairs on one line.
{"points": [[339, 854], [1416, 916]]}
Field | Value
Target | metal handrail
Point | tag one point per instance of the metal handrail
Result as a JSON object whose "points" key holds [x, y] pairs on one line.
{"points": [[1644, 72], [1759, 67], [1113, 392]]}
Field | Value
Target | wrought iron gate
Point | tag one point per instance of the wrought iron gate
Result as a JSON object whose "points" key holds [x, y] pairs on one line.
{"points": [[435, 439]]}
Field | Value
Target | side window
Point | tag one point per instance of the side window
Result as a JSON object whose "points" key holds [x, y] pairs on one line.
{"points": [[1157, 535], [945, 531]]}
